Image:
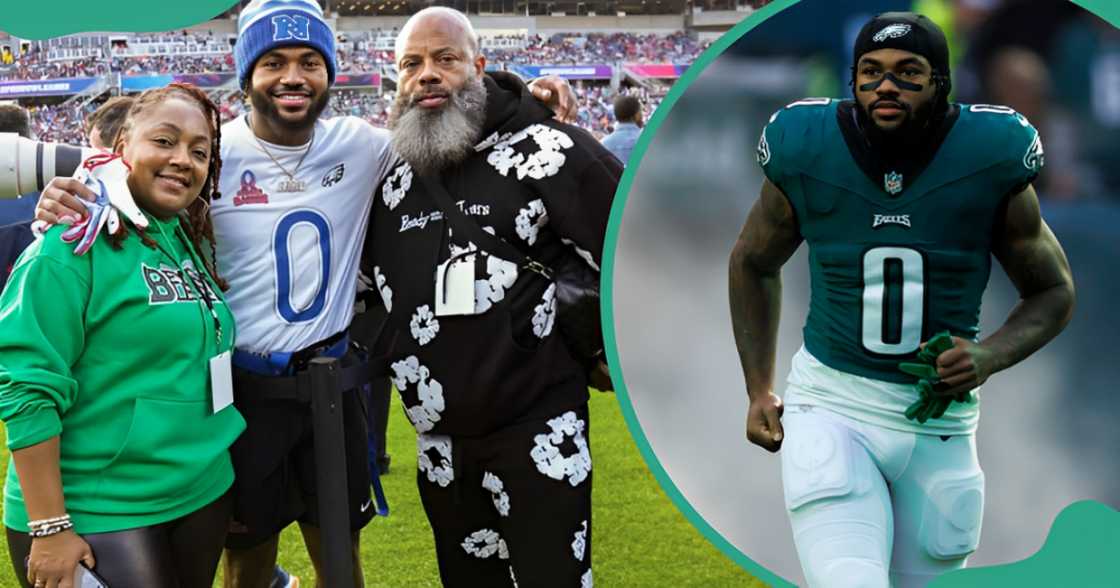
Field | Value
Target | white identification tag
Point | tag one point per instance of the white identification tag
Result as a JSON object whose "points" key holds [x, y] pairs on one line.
{"points": [[221, 381], [455, 287]]}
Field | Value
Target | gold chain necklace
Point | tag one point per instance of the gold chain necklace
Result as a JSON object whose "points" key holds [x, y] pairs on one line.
{"points": [[291, 184]]}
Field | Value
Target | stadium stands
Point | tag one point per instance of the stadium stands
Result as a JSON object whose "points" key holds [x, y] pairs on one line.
{"points": [[130, 62]]}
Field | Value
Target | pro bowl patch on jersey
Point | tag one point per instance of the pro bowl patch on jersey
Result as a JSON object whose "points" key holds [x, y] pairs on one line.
{"points": [[249, 193], [893, 31]]}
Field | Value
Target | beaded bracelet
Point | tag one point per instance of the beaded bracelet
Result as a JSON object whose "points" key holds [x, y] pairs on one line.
{"points": [[50, 521], [50, 530], [48, 527]]}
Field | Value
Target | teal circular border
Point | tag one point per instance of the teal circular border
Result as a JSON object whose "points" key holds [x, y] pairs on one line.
{"points": [[1107, 9]]}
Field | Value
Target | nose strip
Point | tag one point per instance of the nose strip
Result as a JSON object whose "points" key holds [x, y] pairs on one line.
{"points": [[910, 86]]}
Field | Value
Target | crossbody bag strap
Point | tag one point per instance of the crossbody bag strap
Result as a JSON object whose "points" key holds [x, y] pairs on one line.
{"points": [[466, 226]]}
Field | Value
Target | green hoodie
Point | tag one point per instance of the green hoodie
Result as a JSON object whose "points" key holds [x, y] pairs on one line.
{"points": [[111, 351]]}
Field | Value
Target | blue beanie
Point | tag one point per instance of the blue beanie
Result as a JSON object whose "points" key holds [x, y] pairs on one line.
{"points": [[265, 25]]}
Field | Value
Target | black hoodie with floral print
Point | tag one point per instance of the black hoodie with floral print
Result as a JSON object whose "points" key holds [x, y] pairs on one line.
{"points": [[543, 186]]}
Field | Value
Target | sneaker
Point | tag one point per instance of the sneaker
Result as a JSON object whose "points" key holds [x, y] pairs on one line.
{"points": [[282, 579]]}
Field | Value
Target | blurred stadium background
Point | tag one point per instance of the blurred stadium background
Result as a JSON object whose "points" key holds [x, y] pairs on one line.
{"points": [[1047, 433]]}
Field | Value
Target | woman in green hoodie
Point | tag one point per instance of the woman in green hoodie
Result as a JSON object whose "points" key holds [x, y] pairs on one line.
{"points": [[108, 361]]}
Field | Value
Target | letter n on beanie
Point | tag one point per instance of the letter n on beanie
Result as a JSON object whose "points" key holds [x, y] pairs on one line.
{"points": [[265, 25]]}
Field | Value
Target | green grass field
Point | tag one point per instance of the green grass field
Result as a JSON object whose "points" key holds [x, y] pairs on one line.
{"points": [[639, 537]]}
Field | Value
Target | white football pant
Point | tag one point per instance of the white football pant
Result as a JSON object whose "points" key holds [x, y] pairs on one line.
{"points": [[873, 507]]}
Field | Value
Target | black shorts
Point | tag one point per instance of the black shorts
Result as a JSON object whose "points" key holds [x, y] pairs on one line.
{"points": [[274, 465]]}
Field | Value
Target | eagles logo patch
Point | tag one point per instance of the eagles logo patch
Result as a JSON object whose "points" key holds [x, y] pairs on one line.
{"points": [[333, 175], [1034, 159], [763, 151], [893, 31]]}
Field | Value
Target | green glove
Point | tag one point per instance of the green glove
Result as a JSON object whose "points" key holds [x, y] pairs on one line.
{"points": [[940, 343], [920, 405], [925, 369], [938, 406], [927, 406]]}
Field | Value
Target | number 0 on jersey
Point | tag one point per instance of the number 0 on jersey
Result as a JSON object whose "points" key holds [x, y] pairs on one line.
{"points": [[893, 300]]}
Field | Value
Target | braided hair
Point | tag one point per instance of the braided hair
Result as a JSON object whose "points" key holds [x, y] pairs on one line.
{"points": [[199, 226]]}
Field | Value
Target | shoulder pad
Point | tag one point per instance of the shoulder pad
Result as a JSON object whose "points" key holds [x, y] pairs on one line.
{"points": [[791, 133], [1007, 135]]}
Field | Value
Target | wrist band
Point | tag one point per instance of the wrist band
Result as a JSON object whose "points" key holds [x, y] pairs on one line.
{"points": [[48, 527], [51, 530], [50, 521]]}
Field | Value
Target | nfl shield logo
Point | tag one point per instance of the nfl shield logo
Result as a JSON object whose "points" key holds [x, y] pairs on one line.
{"points": [[892, 183]]}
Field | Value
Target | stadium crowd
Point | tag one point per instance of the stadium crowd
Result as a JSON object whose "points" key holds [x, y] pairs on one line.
{"points": [[197, 53], [63, 123], [362, 57], [34, 65], [570, 49], [173, 64], [596, 106], [194, 53]]}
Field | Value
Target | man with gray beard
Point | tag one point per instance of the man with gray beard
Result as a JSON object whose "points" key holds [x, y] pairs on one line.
{"points": [[498, 399], [438, 138]]}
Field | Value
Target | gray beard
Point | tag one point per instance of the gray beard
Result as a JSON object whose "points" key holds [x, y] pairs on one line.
{"points": [[431, 141]]}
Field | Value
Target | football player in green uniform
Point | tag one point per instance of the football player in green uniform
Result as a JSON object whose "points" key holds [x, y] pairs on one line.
{"points": [[902, 198]]}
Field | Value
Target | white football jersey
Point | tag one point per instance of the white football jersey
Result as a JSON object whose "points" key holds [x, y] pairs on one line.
{"points": [[291, 258]]}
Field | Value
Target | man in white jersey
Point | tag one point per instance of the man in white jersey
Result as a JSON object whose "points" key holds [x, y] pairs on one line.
{"points": [[296, 193]]}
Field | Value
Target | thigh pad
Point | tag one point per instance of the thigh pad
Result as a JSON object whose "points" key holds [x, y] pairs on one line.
{"points": [[952, 514], [817, 461]]}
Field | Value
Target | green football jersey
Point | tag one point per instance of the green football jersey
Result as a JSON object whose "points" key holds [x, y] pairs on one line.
{"points": [[892, 265]]}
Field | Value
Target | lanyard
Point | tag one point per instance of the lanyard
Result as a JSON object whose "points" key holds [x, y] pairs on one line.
{"points": [[201, 289]]}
